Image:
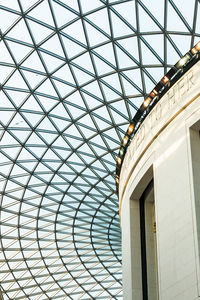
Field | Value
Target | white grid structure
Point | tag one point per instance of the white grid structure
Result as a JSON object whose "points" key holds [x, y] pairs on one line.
{"points": [[72, 75]]}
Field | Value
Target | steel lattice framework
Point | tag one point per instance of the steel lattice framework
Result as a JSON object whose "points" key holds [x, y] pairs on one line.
{"points": [[73, 73]]}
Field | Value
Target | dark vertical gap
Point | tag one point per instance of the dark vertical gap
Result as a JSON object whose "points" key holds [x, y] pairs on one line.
{"points": [[143, 248], [143, 240]]}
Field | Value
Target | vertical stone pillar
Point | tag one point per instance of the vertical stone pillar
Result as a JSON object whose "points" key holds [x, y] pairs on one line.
{"points": [[175, 214]]}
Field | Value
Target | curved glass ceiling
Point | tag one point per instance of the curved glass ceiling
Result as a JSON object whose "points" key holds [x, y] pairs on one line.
{"points": [[72, 76]]}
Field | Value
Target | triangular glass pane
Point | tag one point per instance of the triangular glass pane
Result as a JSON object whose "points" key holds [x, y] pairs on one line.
{"points": [[173, 19], [72, 4], [129, 88], [99, 169], [12, 5], [63, 88], [75, 112], [46, 125], [157, 43], [21, 135], [17, 171], [72, 30], [53, 45], [51, 62], [120, 107], [87, 132], [97, 149], [37, 149], [87, 120], [120, 28], [38, 31], [124, 60], [50, 155], [31, 104], [17, 81], [17, 121], [113, 82], [61, 152], [72, 130], [76, 99], [17, 97], [32, 118], [87, 158], [7, 19], [48, 137], [86, 6], [172, 55], [156, 73], [88, 172], [93, 89], [73, 142], [149, 84], [102, 125], [183, 47], [197, 28], [102, 112], [5, 102], [134, 76], [25, 155], [127, 11], [84, 62], [75, 158], [60, 110], [62, 14], [109, 93], [100, 18], [101, 66], [47, 103], [5, 55], [156, 10], [106, 52], [19, 51], [91, 101], [35, 140], [34, 62], [94, 35], [42, 168], [146, 22], [8, 139], [5, 118], [117, 117], [21, 32], [81, 76], [4, 73], [60, 142], [148, 56], [186, 10], [131, 46], [27, 4], [98, 141], [65, 74], [47, 88], [60, 123], [42, 12], [71, 48], [110, 142], [33, 78], [12, 186]]}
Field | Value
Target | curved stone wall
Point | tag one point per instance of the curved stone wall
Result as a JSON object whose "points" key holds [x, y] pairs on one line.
{"points": [[166, 148]]}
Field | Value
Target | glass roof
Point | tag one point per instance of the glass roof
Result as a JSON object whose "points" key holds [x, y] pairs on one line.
{"points": [[72, 75]]}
